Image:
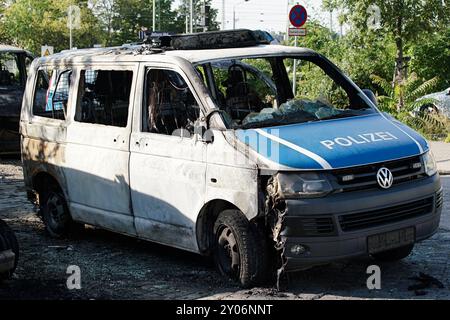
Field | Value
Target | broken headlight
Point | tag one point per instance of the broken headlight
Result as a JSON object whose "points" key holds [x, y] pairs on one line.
{"points": [[303, 185], [430, 163]]}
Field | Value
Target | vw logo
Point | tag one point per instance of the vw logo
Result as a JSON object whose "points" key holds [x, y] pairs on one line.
{"points": [[385, 178]]}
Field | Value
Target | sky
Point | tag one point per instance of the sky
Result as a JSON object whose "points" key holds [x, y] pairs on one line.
{"points": [[270, 15]]}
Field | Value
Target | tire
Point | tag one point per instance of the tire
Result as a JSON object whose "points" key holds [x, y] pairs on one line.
{"points": [[8, 241], [240, 250], [56, 216], [394, 254]]}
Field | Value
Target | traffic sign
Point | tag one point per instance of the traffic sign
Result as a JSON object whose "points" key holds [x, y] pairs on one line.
{"points": [[46, 51], [297, 32], [298, 16]]}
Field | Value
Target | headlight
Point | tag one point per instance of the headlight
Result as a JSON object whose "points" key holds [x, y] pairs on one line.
{"points": [[429, 163], [303, 185]]}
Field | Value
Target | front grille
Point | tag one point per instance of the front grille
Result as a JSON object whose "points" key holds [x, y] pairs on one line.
{"points": [[365, 177], [439, 199], [308, 227], [363, 220]]}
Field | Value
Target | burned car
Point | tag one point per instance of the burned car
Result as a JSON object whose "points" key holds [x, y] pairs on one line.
{"points": [[9, 251], [181, 142], [440, 103], [14, 63]]}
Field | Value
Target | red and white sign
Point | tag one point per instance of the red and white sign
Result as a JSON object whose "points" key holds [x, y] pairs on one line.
{"points": [[298, 16]]}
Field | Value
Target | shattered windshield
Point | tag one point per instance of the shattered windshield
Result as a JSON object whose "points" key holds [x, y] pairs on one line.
{"points": [[260, 92]]}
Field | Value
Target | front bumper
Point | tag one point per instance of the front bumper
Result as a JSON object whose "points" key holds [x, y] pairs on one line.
{"points": [[335, 240]]}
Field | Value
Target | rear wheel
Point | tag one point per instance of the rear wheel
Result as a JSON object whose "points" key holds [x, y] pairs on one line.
{"points": [[394, 254], [239, 251], [55, 214], [8, 241]]}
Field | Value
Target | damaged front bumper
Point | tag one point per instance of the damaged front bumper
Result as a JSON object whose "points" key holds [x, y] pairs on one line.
{"points": [[318, 231]]}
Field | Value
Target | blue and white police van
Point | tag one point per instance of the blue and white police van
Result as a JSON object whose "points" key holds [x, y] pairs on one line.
{"points": [[200, 142]]}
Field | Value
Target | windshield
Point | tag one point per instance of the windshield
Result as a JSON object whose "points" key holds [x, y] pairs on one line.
{"points": [[259, 92]]}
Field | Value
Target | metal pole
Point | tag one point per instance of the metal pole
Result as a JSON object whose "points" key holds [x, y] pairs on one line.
{"points": [[294, 76], [154, 16], [70, 28], [234, 17], [223, 15], [205, 27], [192, 16]]}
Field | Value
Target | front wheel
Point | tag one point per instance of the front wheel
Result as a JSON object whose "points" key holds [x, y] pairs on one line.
{"points": [[394, 254], [239, 251], [56, 216]]}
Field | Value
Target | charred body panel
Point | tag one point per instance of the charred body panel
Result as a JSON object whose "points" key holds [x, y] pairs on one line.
{"points": [[13, 77]]}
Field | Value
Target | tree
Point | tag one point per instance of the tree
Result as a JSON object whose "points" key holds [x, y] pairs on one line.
{"points": [[33, 23], [129, 16], [405, 21], [184, 13], [431, 57]]}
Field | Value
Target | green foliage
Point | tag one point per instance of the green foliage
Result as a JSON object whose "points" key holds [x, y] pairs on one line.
{"points": [[428, 123], [431, 57], [184, 11], [32, 23]]}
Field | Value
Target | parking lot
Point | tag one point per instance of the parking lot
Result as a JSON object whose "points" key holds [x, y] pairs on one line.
{"points": [[117, 267]]}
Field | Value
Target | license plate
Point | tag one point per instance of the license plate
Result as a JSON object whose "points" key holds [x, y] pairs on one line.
{"points": [[391, 240]]}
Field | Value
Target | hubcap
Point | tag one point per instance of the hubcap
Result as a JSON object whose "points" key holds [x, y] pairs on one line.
{"points": [[56, 210], [228, 253]]}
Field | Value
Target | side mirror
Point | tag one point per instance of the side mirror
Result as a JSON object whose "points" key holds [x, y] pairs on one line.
{"points": [[371, 96], [207, 136]]}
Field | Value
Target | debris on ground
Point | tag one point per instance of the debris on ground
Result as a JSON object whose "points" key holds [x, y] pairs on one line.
{"points": [[424, 281]]}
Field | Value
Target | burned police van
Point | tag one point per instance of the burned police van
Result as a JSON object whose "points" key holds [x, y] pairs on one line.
{"points": [[199, 142], [14, 63]]}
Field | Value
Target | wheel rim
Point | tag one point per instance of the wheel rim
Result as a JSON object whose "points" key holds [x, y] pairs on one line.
{"points": [[55, 207], [228, 252]]}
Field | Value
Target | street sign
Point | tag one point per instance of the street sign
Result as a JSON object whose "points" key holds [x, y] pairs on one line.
{"points": [[46, 51], [74, 17], [297, 32], [298, 16]]}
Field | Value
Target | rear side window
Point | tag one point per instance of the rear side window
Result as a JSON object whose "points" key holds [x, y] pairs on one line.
{"points": [[104, 97], [52, 93]]}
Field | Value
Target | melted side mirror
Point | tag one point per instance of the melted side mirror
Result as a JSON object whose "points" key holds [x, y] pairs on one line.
{"points": [[369, 93]]}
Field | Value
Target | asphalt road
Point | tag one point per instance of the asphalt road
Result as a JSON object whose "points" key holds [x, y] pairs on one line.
{"points": [[117, 267]]}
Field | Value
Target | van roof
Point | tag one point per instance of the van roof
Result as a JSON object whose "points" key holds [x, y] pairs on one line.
{"points": [[8, 48], [133, 53]]}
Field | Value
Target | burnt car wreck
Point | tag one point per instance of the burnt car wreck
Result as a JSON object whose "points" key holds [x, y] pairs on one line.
{"points": [[9, 251], [14, 63]]}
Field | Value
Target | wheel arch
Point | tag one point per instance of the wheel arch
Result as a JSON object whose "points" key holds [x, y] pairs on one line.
{"points": [[205, 223]]}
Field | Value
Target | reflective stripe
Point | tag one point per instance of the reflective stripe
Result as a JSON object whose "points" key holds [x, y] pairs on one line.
{"points": [[301, 150], [392, 122]]}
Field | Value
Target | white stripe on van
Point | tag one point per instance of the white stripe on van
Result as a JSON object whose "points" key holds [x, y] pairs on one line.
{"points": [[315, 157], [398, 127]]}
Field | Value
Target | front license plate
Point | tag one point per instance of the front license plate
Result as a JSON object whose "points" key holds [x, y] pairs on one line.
{"points": [[391, 240]]}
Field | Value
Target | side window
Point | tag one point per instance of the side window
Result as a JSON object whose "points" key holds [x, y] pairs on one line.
{"points": [[52, 93], [169, 105], [9, 70], [104, 97]]}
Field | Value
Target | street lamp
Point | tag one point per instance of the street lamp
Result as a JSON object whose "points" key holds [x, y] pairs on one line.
{"points": [[234, 12]]}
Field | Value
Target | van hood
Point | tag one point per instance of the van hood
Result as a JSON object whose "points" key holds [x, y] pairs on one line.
{"points": [[335, 144]]}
